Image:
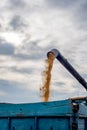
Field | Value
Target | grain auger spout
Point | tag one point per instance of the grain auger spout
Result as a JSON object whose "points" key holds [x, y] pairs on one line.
{"points": [[68, 66]]}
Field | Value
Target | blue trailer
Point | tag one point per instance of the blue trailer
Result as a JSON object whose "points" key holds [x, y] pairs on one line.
{"points": [[70, 114]]}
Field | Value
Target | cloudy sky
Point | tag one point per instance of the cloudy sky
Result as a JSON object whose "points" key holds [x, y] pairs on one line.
{"points": [[28, 30]]}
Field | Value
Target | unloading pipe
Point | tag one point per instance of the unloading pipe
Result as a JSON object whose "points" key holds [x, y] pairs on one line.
{"points": [[68, 66]]}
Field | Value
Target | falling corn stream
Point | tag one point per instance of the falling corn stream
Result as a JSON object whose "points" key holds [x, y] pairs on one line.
{"points": [[45, 88]]}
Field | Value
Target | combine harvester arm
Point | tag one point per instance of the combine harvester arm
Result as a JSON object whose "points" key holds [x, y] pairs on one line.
{"points": [[68, 66]]}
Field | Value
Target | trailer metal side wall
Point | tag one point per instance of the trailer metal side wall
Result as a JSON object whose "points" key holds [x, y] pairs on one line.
{"points": [[41, 123], [56, 115]]}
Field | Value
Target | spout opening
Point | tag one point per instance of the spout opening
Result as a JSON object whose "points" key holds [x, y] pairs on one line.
{"points": [[55, 52]]}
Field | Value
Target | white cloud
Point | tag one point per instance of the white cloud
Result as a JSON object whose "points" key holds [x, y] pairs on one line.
{"points": [[12, 37], [35, 27], [2, 93]]}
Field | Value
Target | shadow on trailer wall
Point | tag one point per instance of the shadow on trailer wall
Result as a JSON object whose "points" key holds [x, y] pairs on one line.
{"points": [[86, 124]]}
